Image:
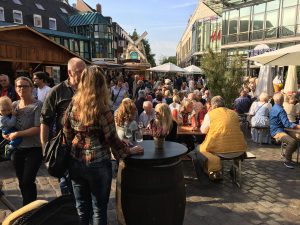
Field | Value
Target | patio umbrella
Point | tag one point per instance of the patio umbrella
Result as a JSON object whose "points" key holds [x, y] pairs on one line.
{"points": [[167, 67], [281, 57], [265, 80], [193, 69], [291, 80]]}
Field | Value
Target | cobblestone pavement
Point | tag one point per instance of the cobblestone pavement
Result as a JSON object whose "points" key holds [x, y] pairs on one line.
{"points": [[270, 193]]}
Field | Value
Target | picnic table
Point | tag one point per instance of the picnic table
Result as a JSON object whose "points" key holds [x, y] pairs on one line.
{"points": [[295, 133]]}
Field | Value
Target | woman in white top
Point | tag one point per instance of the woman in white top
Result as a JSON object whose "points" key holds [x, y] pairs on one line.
{"points": [[259, 111], [175, 104]]}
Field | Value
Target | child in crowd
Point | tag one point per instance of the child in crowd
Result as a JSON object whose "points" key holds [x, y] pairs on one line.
{"points": [[8, 123]]}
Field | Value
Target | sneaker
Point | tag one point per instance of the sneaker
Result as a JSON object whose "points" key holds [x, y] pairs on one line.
{"points": [[215, 176], [289, 164]]}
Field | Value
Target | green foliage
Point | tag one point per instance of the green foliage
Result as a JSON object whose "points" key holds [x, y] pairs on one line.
{"points": [[171, 59], [134, 35], [224, 75], [149, 55]]}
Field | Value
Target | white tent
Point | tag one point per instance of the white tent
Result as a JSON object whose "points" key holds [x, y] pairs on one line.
{"points": [[281, 57], [167, 67], [193, 69], [264, 83], [291, 80]]}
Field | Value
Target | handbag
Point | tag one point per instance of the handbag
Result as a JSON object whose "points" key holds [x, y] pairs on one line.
{"points": [[56, 155]]}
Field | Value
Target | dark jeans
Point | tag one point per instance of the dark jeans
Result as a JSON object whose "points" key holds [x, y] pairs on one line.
{"points": [[65, 184], [91, 186], [27, 162], [291, 146]]}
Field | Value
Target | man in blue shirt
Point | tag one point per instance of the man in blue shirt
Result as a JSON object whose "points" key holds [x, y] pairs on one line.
{"points": [[279, 121], [243, 103]]}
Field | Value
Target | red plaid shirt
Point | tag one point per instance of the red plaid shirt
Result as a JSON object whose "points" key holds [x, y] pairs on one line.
{"points": [[93, 143]]}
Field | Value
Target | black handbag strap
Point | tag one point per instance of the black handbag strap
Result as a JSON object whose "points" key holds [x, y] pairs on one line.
{"points": [[115, 98]]}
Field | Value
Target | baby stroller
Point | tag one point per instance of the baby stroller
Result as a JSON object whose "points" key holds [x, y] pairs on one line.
{"points": [[60, 211]]}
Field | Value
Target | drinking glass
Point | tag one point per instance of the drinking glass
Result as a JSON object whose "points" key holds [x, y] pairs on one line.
{"points": [[128, 132], [138, 136], [140, 125]]}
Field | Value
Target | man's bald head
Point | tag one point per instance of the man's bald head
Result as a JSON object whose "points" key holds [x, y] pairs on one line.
{"points": [[75, 68]]}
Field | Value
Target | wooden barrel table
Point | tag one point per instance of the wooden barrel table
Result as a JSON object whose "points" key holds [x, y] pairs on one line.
{"points": [[150, 187]]}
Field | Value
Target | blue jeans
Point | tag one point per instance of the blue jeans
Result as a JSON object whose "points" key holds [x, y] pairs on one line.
{"points": [[91, 186]]}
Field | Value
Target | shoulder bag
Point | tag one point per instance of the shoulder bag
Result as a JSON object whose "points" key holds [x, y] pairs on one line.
{"points": [[57, 155]]}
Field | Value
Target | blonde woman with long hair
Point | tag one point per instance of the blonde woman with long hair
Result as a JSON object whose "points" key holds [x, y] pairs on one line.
{"points": [[162, 124], [90, 128]]}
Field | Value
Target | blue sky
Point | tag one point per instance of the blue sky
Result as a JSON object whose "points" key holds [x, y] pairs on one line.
{"points": [[164, 20]]}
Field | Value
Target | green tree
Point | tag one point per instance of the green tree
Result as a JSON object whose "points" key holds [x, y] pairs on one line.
{"points": [[149, 55], [224, 75], [171, 59]]}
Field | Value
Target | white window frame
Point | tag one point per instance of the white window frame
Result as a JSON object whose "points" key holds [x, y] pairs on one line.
{"points": [[36, 16], [20, 12], [53, 20], [2, 16]]}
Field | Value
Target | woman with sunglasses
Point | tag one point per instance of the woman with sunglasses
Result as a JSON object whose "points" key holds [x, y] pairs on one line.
{"points": [[28, 156], [90, 128]]}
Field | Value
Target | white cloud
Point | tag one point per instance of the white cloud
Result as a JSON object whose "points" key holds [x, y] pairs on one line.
{"points": [[184, 5]]}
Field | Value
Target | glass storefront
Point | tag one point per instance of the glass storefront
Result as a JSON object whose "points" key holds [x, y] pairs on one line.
{"points": [[206, 34], [268, 20]]}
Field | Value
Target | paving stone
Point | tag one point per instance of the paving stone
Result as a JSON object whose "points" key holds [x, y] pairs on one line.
{"points": [[267, 195]]}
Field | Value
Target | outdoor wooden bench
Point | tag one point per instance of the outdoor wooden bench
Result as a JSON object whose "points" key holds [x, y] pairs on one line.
{"points": [[237, 158]]}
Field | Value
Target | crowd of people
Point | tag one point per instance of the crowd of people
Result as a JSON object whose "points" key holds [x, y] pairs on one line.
{"points": [[95, 110], [269, 116]]}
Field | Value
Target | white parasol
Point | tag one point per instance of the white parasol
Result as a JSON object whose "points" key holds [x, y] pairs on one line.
{"points": [[291, 80], [167, 67], [281, 57], [193, 69], [265, 81]]}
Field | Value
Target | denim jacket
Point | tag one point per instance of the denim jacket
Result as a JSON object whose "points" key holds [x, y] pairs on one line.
{"points": [[279, 120]]}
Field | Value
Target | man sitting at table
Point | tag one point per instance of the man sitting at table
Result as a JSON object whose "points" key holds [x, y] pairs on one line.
{"points": [[243, 103], [279, 121], [223, 135]]}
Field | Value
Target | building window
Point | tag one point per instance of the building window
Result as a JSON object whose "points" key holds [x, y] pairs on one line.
{"points": [[288, 21], [258, 23], [52, 24], [64, 10], [18, 2], [2, 14], [39, 6], [18, 18], [37, 20]]}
